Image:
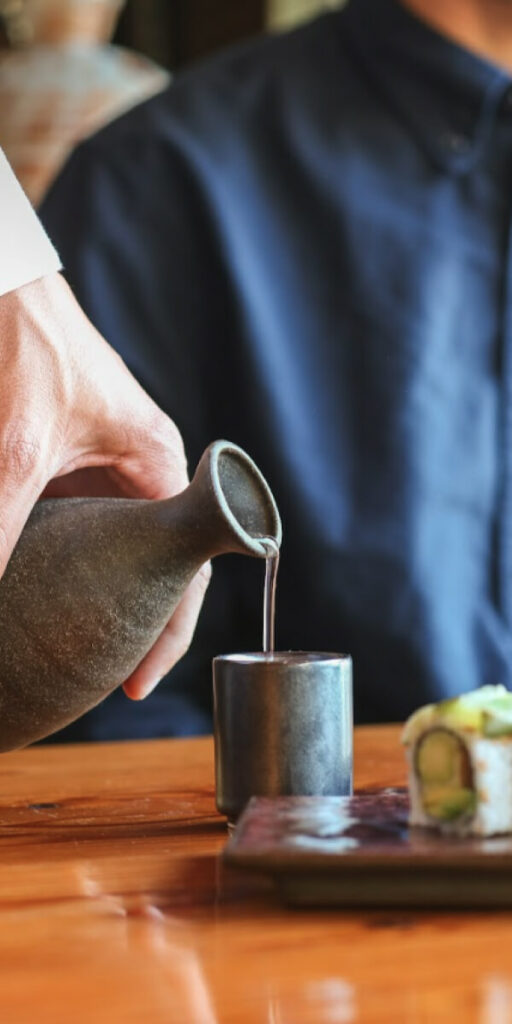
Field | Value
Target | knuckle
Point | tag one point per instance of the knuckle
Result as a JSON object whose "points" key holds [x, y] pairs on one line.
{"points": [[20, 452]]}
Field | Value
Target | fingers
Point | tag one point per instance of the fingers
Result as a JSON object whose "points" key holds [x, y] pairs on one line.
{"points": [[174, 641]]}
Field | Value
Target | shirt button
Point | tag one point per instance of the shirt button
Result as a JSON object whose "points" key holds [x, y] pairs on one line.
{"points": [[455, 143]]}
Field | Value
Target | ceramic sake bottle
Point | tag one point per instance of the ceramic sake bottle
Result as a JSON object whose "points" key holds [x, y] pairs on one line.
{"points": [[93, 581]]}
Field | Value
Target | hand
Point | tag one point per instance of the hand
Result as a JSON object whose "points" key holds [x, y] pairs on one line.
{"points": [[74, 422]]}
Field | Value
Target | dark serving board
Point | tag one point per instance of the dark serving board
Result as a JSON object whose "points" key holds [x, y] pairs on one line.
{"points": [[359, 851]]}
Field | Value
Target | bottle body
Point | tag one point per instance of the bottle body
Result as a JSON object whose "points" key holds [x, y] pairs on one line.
{"points": [[91, 588], [93, 582]]}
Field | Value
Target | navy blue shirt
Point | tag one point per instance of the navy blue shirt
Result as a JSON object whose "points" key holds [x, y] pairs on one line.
{"points": [[303, 245]]}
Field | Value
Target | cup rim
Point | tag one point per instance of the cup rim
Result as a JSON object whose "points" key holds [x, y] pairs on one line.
{"points": [[282, 657]]}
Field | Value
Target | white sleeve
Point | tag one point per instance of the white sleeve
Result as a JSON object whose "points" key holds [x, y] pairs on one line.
{"points": [[26, 252]]}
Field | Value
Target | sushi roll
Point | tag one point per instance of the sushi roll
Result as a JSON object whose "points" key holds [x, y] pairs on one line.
{"points": [[459, 755]]}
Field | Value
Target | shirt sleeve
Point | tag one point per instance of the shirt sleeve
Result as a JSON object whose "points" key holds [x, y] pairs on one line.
{"points": [[26, 252]]}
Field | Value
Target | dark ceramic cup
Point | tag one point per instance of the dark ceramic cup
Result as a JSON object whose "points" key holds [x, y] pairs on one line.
{"points": [[282, 726]]}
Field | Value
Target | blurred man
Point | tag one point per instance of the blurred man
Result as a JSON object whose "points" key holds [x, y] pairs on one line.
{"points": [[303, 245]]}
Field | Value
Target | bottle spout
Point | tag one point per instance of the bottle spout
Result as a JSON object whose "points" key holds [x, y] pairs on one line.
{"points": [[246, 514]]}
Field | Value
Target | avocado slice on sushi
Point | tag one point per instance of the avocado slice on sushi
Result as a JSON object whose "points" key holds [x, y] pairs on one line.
{"points": [[444, 772], [445, 803]]}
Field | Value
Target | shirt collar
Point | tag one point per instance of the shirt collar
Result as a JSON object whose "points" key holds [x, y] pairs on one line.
{"points": [[448, 96]]}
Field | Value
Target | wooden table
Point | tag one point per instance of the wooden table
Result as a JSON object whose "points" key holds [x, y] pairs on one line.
{"points": [[114, 907]]}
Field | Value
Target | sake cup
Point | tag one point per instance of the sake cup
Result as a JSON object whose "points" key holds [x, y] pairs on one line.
{"points": [[283, 726]]}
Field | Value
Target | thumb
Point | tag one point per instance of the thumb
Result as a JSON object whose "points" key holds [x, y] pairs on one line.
{"points": [[152, 463]]}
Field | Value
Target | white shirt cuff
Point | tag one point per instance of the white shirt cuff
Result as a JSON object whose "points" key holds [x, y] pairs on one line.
{"points": [[26, 252]]}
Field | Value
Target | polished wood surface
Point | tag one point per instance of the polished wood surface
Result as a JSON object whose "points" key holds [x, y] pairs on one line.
{"points": [[115, 907]]}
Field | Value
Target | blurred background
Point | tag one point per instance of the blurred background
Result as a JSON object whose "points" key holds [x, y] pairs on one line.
{"points": [[69, 66]]}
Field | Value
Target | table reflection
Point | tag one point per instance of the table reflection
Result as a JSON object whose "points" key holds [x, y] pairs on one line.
{"points": [[329, 1000]]}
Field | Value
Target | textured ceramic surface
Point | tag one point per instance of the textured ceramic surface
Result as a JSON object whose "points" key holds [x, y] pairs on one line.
{"points": [[92, 583], [350, 851]]}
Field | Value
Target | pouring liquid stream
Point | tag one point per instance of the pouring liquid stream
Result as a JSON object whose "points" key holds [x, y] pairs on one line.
{"points": [[269, 594]]}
